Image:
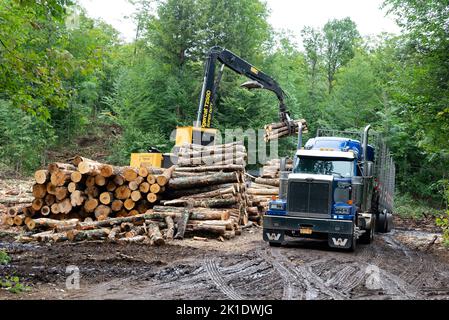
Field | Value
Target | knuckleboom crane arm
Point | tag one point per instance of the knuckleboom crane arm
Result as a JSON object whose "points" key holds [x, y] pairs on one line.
{"points": [[259, 79]]}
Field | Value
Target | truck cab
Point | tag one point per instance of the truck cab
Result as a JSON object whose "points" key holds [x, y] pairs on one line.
{"points": [[330, 194]]}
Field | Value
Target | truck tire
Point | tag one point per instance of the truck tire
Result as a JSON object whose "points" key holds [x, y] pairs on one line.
{"points": [[382, 222], [367, 237], [275, 244], [353, 246]]}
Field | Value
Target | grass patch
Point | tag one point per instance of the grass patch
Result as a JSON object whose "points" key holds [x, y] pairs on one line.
{"points": [[13, 285], [408, 207], [4, 257]]}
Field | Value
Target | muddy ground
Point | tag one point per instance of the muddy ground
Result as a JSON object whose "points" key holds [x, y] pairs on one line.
{"points": [[399, 265]]}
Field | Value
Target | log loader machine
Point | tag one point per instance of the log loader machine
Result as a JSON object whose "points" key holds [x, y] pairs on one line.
{"points": [[202, 133]]}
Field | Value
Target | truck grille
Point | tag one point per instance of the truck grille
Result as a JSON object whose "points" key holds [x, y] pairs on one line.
{"points": [[308, 198]]}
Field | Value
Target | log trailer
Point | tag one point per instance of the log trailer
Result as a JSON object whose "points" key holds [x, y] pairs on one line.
{"points": [[341, 189], [202, 133]]}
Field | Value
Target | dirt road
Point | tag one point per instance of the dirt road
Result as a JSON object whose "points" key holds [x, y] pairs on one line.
{"points": [[243, 268]]}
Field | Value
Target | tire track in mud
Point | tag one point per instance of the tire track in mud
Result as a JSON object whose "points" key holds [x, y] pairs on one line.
{"points": [[217, 277], [377, 257], [290, 282], [303, 276], [417, 272]]}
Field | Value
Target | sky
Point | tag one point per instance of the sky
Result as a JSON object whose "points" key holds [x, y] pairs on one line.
{"points": [[290, 15]]}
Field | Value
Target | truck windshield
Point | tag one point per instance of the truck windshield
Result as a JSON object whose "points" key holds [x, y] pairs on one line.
{"points": [[338, 167]]}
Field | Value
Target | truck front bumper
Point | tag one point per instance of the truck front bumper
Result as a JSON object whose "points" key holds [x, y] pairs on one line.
{"points": [[275, 227]]}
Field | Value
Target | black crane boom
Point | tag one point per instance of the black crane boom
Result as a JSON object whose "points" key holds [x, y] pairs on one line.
{"points": [[259, 79]]}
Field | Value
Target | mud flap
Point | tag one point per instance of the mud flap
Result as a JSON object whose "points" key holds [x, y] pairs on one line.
{"points": [[272, 235], [342, 241]]}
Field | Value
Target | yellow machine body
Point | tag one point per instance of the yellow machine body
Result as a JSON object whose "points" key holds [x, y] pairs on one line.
{"points": [[148, 159], [194, 135], [183, 135]]}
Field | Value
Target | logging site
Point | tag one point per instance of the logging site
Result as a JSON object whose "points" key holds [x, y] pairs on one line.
{"points": [[168, 166]]}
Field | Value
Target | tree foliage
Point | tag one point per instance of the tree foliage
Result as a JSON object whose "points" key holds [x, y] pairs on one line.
{"points": [[62, 72]]}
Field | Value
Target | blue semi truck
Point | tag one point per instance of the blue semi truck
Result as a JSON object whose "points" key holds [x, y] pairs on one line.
{"points": [[340, 189]]}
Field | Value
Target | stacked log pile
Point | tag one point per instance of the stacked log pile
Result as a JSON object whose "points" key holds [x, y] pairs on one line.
{"points": [[88, 190], [211, 177], [278, 130], [265, 187], [86, 200]]}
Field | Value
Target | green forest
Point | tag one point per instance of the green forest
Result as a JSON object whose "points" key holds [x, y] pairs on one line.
{"points": [[66, 78]]}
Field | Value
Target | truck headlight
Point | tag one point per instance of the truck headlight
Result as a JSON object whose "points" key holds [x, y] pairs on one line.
{"points": [[276, 206], [342, 210]]}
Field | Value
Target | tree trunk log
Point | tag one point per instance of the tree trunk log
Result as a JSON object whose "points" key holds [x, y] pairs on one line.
{"points": [[268, 192], [88, 166], [42, 176], [153, 198], [56, 166], [90, 205], [76, 176], [189, 153], [181, 223], [73, 186], [170, 228], [100, 180], [51, 188], [37, 204], [200, 181], [225, 159], [77, 198], [202, 228], [117, 205], [122, 192], [61, 193], [144, 187], [224, 168], [133, 239], [110, 186], [106, 198], [92, 192], [107, 170], [39, 191], [164, 178], [136, 196], [134, 185], [130, 174], [119, 180], [211, 203], [270, 182], [102, 210], [80, 235], [129, 204], [155, 234], [156, 188], [65, 206], [60, 177], [45, 223], [214, 193]]}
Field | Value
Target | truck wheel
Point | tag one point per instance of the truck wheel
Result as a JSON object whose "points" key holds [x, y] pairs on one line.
{"points": [[381, 223], [275, 244], [367, 237], [353, 243]]}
